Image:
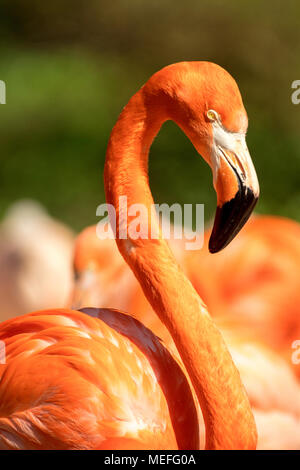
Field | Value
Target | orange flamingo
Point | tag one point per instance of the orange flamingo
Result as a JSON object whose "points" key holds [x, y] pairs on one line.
{"points": [[74, 381], [271, 386], [256, 282]]}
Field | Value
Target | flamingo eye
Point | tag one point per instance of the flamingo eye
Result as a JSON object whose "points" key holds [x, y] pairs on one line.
{"points": [[212, 115]]}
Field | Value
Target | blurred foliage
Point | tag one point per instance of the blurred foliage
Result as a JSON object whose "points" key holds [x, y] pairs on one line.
{"points": [[70, 67]]}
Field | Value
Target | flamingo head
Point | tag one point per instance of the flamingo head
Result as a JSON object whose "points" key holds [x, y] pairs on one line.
{"points": [[97, 264], [204, 100]]}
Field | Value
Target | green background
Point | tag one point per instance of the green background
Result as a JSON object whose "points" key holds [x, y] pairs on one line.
{"points": [[71, 66]]}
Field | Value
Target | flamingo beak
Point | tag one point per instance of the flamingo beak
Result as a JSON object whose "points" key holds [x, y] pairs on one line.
{"points": [[237, 190]]}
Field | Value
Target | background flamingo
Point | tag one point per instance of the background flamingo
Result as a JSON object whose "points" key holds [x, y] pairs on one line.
{"points": [[35, 260], [257, 282]]}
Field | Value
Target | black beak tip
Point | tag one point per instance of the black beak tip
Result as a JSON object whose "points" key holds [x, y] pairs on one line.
{"points": [[230, 219], [214, 247]]}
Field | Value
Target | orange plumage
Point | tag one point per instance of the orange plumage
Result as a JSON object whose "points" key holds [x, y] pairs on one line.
{"points": [[72, 381], [226, 282], [65, 386]]}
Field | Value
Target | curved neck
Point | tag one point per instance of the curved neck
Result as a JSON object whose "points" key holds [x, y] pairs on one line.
{"points": [[227, 414]]}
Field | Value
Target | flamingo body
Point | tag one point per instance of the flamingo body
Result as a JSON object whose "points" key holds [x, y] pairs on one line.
{"points": [[65, 387]]}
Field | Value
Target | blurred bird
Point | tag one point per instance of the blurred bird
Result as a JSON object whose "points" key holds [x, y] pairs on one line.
{"points": [[102, 277], [256, 282], [271, 385], [35, 260]]}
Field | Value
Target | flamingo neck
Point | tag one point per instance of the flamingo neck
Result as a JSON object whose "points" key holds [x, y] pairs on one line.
{"points": [[226, 410]]}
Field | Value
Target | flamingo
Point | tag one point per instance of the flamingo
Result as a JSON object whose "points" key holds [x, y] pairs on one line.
{"points": [[98, 378], [257, 281], [271, 386], [35, 260]]}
